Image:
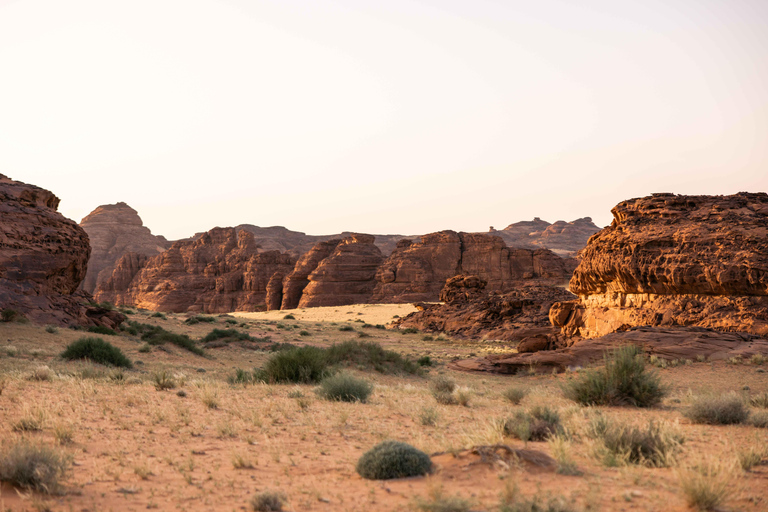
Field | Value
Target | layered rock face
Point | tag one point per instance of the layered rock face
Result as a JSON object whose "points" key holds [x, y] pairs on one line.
{"points": [[295, 282], [672, 260], [43, 258], [470, 311], [220, 271], [417, 271], [115, 230], [563, 238], [346, 276]]}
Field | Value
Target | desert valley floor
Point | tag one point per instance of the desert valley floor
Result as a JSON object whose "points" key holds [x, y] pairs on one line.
{"points": [[209, 444]]}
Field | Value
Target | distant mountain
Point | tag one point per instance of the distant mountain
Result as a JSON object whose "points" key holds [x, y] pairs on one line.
{"points": [[562, 238]]}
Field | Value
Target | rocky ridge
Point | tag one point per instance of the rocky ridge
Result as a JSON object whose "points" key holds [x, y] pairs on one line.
{"points": [[563, 238]]}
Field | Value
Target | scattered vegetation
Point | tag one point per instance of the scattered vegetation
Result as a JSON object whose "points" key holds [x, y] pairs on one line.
{"points": [[156, 335], [653, 446], [11, 315], [707, 484], [33, 466], [305, 365], [200, 319], [538, 424], [725, 409], [393, 459], [268, 501], [100, 329], [439, 502], [158, 314], [442, 390], [622, 381], [511, 501], [514, 394], [98, 351], [163, 380], [345, 388]]}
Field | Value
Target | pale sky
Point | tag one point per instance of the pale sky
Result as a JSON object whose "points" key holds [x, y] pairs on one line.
{"points": [[391, 116]]}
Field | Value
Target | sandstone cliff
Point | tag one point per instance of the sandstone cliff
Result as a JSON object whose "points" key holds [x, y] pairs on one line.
{"points": [[562, 238], [114, 230], [43, 258], [220, 271], [673, 260]]}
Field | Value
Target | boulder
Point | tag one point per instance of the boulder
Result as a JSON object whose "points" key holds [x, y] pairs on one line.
{"points": [[674, 260]]}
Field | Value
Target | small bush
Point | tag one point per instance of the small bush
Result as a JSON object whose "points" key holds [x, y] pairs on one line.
{"points": [[440, 502], [539, 424], [242, 377], [708, 484], [442, 384], [304, 364], [346, 328], [304, 333], [163, 380], [654, 446], [726, 409], [514, 394], [345, 388], [623, 381], [759, 420], [428, 417], [427, 337], [393, 459], [11, 315], [279, 347], [33, 466], [158, 315], [289, 317], [424, 361], [98, 351], [227, 335], [371, 355], [409, 330], [268, 502], [51, 329], [41, 373], [200, 319], [760, 400], [156, 335], [100, 329]]}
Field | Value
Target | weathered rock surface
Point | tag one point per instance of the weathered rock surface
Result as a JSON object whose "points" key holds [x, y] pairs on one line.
{"points": [[669, 260], [295, 282], [346, 276], [43, 258], [417, 271], [220, 271], [669, 343], [563, 238], [114, 230], [470, 312]]}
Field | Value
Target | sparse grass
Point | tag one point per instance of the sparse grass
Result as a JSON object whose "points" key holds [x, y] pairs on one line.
{"points": [[100, 329], [31, 423], [463, 397], [442, 389], [538, 424], [242, 377], [511, 501], [440, 502], [758, 359], [163, 380], [751, 456], [760, 400], [98, 351], [210, 397], [622, 381], [200, 319], [725, 409], [156, 335], [346, 388], [708, 484], [33, 466], [41, 373], [64, 434], [428, 417], [240, 461], [157, 314], [561, 451], [653, 446], [758, 419], [51, 329], [393, 459], [268, 501], [11, 315], [514, 394], [346, 328]]}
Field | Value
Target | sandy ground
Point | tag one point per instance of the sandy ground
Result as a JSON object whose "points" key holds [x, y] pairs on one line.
{"points": [[369, 313], [137, 448]]}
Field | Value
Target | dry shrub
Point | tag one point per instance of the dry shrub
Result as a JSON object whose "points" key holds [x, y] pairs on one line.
{"points": [[709, 483], [728, 409], [33, 466]]}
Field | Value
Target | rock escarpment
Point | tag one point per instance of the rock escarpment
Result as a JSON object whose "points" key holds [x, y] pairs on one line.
{"points": [[674, 260], [563, 238], [417, 271], [295, 282], [470, 311], [220, 271], [115, 230], [43, 258]]}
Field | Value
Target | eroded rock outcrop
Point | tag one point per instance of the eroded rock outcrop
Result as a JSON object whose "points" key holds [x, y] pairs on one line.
{"points": [[470, 311], [218, 272], [673, 260], [295, 282], [43, 258], [563, 238], [115, 230], [346, 276], [417, 271]]}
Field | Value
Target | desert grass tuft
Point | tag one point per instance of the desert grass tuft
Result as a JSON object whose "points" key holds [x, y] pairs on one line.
{"points": [[33, 466], [163, 380], [345, 388], [393, 459], [653, 446], [98, 351], [758, 419], [538, 424], [268, 501], [708, 484], [438, 501], [760, 400], [512, 501], [727, 409], [514, 394]]}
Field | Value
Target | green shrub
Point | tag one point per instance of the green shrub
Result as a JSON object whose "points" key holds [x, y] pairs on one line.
{"points": [[345, 388], [51, 329], [158, 315], [304, 364], [622, 381], [726, 409], [100, 329], [393, 459], [653, 446], [346, 328], [304, 333], [226, 334], [98, 351], [11, 315], [427, 337], [539, 424], [424, 361], [268, 502], [514, 394], [371, 355], [33, 466], [242, 377], [156, 335], [279, 347], [200, 319], [289, 317], [409, 330]]}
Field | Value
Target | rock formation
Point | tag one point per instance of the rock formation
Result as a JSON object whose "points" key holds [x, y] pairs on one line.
{"points": [[43, 258], [295, 282], [114, 230], [220, 271], [563, 238], [417, 271], [674, 260], [346, 276], [470, 312]]}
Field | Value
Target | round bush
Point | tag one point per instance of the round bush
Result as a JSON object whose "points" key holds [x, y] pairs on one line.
{"points": [[392, 459], [345, 388], [304, 365], [98, 351]]}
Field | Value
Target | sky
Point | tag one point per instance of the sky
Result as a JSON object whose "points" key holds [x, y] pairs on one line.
{"points": [[382, 117]]}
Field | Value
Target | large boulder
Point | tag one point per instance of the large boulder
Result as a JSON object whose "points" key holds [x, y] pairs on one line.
{"points": [[43, 259], [114, 230], [674, 260]]}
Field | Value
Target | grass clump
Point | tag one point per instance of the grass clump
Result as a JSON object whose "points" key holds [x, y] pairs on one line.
{"points": [[156, 335], [760, 400], [51, 329], [511, 501], [268, 501], [393, 459], [242, 377], [100, 329], [345, 388], [226, 336], [538, 424], [163, 380], [514, 394], [728, 409], [305, 365], [159, 315], [98, 351], [197, 319], [442, 390], [759, 420], [622, 381], [371, 355], [708, 484], [289, 316], [346, 328], [33, 466], [439, 502], [653, 446]]}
